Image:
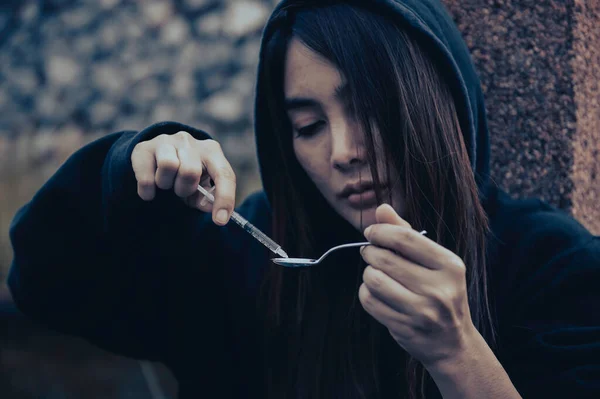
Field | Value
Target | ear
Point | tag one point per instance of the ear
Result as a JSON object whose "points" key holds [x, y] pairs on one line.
{"points": [[386, 214]]}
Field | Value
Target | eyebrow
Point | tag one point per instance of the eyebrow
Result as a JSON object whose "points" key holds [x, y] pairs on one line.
{"points": [[340, 92]]}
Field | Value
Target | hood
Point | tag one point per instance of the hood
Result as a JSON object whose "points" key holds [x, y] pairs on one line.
{"points": [[431, 21]]}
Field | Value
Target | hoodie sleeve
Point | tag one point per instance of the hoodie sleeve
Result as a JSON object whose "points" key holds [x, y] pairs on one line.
{"points": [[549, 327], [94, 260]]}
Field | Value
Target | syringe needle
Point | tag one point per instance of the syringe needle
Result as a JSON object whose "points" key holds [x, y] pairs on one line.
{"points": [[249, 227]]}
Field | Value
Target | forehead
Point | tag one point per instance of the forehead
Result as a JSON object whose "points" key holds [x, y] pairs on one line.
{"points": [[308, 73]]}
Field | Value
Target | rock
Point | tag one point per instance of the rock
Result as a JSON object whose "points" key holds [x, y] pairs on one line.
{"points": [[182, 85], [102, 113], [30, 12], [190, 55], [244, 17], [239, 147], [135, 121], [157, 12], [110, 34], [213, 54], [209, 24], [175, 32], [133, 29], [226, 106], [108, 4], [181, 111], [163, 112], [62, 70], [48, 105], [146, 91], [24, 80], [216, 81], [84, 45], [243, 83], [109, 78], [140, 70], [248, 53], [77, 19]]}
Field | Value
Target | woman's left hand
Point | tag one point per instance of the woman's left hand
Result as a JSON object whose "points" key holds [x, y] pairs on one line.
{"points": [[417, 289]]}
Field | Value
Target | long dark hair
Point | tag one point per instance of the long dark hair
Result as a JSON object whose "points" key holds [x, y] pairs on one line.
{"points": [[319, 341]]}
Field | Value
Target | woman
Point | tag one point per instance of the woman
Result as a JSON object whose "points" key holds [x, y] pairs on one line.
{"points": [[369, 123]]}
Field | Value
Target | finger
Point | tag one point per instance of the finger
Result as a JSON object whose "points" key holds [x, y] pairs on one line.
{"points": [[167, 164], [380, 310], [386, 214], [223, 176], [414, 277], [391, 292], [189, 172], [412, 245], [144, 168]]}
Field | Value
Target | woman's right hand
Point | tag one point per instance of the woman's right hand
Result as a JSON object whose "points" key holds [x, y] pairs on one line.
{"points": [[180, 162]]}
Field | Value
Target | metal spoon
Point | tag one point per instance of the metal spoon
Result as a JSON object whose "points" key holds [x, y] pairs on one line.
{"points": [[305, 262]]}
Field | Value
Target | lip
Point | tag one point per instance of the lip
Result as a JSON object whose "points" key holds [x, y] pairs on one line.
{"points": [[359, 195], [356, 188], [365, 200]]}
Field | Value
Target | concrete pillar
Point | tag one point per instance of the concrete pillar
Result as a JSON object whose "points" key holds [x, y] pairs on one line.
{"points": [[539, 63]]}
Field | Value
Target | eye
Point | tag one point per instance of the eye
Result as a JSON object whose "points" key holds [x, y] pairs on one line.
{"points": [[310, 130]]}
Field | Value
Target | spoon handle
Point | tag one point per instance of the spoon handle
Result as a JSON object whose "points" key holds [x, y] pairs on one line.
{"points": [[353, 244]]}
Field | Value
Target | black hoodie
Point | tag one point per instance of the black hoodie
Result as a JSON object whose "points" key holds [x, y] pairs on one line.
{"points": [[159, 281]]}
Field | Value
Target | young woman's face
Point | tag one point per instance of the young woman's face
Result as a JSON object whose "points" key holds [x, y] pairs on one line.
{"points": [[328, 142]]}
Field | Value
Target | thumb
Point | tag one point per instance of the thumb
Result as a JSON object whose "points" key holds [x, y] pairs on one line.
{"points": [[386, 214]]}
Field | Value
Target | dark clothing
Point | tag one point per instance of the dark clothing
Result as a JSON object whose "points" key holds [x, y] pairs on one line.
{"points": [[158, 280], [92, 260]]}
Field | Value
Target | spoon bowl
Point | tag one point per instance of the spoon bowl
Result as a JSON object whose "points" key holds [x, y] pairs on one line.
{"points": [[306, 262]]}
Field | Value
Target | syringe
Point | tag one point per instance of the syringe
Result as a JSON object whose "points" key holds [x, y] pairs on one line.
{"points": [[249, 227]]}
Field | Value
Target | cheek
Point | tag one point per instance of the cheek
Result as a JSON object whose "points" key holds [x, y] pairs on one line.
{"points": [[313, 160]]}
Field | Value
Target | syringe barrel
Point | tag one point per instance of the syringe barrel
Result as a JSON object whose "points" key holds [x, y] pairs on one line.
{"points": [[255, 232], [249, 227]]}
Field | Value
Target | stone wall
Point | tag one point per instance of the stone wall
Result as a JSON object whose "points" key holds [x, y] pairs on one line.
{"points": [[71, 72]]}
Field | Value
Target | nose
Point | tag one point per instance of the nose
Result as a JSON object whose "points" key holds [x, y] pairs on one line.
{"points": [[347, 147]]}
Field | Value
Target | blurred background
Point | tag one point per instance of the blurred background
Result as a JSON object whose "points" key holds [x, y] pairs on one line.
{"points": [[73, 71]]}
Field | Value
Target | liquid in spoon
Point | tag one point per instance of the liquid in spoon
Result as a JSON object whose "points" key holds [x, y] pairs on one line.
{"points": [[294, 262]]}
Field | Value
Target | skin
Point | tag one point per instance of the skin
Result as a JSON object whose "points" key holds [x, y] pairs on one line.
{"points": [[412, 285], [417, 289], [179, 162], [334, 155]]}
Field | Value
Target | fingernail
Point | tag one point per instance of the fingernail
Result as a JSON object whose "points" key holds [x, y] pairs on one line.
{"points": [[222, 216], [367, 231]]}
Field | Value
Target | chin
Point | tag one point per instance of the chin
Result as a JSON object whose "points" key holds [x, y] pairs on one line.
{"points": [[368, 218]]}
